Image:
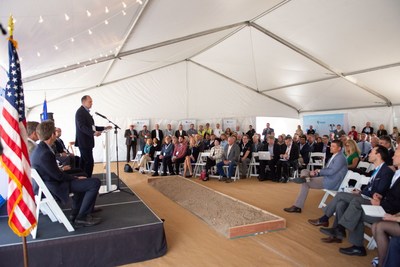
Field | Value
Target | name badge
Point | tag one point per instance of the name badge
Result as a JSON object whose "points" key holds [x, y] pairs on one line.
{"points": [[241, 153], [177, 153], [93, 128]]}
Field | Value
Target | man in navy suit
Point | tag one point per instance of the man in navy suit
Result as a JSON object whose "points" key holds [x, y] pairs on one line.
{"points": [[85, 133], [165, 157], [329, 177], [61, 184]]}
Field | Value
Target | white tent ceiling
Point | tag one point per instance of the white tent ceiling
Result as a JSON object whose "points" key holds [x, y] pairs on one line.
{"points": [[267, 57]]}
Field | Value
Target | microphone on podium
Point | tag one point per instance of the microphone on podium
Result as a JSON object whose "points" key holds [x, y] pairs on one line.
{"points": [[98, 114]]}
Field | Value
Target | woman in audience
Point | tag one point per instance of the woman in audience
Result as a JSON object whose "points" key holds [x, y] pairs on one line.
{"points": [[215, 157], [395, 133], [352, 153], [299, 131], [281, 144], [381, 131], [148, 154], [390, 226], [191, 157], [228, 132]]}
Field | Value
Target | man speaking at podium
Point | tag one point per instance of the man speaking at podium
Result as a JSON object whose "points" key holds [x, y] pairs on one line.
{"points": [[85, 133]]}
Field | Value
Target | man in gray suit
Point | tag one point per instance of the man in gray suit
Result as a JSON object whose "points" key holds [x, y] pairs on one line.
{"points": [[329, 177], [230, 158]]}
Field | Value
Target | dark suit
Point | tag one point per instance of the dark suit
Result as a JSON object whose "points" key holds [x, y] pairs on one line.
{"points": [[167, 152], [160, 135], [271, 163], [293, 161], [84, 138], [305, 153], [61, 184], [131, 143], [233, 157], [177, 133]]}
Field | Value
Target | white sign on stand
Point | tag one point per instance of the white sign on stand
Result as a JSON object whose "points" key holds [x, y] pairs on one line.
{"points": [[106, 145]]}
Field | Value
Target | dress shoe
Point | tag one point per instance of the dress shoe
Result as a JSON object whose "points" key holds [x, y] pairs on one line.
{"points": [[317, 222], [331, 239], [155, 174], [172, 173], [283, 180], [164, 174], [293, 209], [298, 180], [136, 169], [353, 251], [223, 178], [333, 232], [87, 221], [229, 180], [96, 209]]}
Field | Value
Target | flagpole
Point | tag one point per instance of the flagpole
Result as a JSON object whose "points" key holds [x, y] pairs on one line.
{"points": [[25, 251]]}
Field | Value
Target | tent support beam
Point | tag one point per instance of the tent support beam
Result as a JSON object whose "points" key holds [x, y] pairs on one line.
{"points": [[242, 85], [129, 33], [319, 62], [130, 52], [350, 108]]}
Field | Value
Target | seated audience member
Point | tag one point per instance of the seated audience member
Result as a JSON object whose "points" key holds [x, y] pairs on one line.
{"points": [[374, 142], [165, 157], [245, 156], [224, 140], [305, 151], [385, 141], [251, 132], [364, 145], [256, 145], [200, 142], [381, 131], [179, 153], [352, 218], [147, 155], [287, 160], [382, 231], [344, 139], [230, 158], [169, 131], [191, 158], [206, 141], [157, 133], [311, 142], [281, 143], [63, 156], [326, 147], [228, 132], [239, 132], [379, 183], [32, 135], [273, 148], [211, 143], [214, 158], [319, 144], [329, 177], [338, 132], [192, 131], [180, 131], [208, 129], [60, 184], [395, 133], [353, 133], [201, 130], [218, 131], [352, 154], [310, 130], [368, 130]]}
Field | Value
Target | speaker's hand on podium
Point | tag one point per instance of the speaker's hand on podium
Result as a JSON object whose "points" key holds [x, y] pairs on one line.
{"points": [[108, 128], [97, 133]]}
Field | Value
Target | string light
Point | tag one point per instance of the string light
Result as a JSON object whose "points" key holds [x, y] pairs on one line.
{"points": [[106, 22], [88, 13], [72, 39], [123, 12], [123, 4], [106, 10], [139, 2], [56, 47], [40, 19], [90, 31], [66, 17], [38, 54]]}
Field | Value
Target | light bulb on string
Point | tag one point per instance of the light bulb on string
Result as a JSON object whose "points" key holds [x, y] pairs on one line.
{"points": [[55, 47], [106, 10], [72, 39], [66, 16], [106, 22], [123, 4], [88, 13], [90, 31], [123, 12], [38, 54], [40, 19]]}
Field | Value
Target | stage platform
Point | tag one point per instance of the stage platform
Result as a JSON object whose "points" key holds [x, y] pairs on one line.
{"points": [[129, 232]]}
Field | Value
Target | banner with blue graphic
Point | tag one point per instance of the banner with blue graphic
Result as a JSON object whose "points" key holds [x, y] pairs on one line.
{"points": [[325, 123]]}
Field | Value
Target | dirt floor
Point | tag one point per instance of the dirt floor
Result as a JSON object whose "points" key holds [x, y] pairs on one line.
{"points": [[192, 242], [218, 210]]}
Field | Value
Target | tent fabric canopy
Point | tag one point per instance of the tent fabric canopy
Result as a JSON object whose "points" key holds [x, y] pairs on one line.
{"points": [[297, 56]]}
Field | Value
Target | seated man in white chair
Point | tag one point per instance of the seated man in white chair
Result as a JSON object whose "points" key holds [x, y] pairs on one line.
{"points": [[61, 184]]}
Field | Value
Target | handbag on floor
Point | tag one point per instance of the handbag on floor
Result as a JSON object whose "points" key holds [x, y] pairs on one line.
{"points": [[128, 168]]}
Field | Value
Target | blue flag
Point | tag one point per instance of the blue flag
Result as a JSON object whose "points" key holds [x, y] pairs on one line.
{"points": [[44, 113]]}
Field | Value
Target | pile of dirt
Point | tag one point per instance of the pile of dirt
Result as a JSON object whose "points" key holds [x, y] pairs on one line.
{"points": [[220, 211]]}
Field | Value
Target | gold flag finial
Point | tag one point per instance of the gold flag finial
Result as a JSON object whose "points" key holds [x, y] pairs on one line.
{"points": [[11, 25]]}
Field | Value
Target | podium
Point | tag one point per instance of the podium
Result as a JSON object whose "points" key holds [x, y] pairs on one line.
{"points": [[108, 187]]}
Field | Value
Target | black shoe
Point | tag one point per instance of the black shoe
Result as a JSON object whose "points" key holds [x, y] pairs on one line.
{"points": [[87, 221], [353, 251], [283, 180], [164, 174], [155, 174], [229, 180], [293, 209], [223, 178], [96, 209], [333, 232]]}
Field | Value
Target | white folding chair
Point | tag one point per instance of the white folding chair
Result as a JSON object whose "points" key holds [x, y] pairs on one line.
{"points": [[253, 165], [366, 165], [46, 203], [137, 158], [150, 164], [342, 187], [236, 175], [201, 162], [317, 159]]}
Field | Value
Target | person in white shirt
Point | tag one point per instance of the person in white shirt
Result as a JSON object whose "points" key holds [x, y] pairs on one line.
{"points": [[217, 131]]}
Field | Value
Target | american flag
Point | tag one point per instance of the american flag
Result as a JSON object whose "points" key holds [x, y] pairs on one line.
{"points": [[15, 159]]}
